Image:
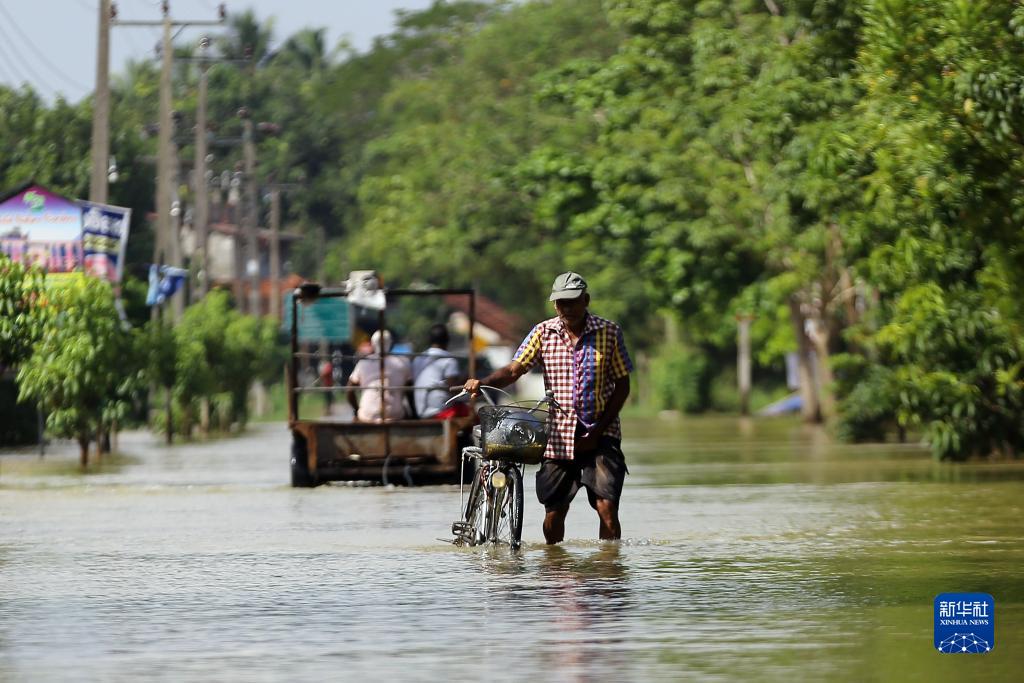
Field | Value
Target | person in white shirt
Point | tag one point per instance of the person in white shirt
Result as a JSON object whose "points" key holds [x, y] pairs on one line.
{"points": [[366, 374], [434, 373]]}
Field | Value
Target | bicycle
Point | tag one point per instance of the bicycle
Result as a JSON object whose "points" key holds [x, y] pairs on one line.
{"points": [[508, 438]]}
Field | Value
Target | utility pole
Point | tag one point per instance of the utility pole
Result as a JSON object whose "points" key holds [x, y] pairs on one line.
{"points": [[250, 213], [175, 213], [101, 109], [201, 180], [167, 241], [275, 254], [202, 194], [275, 246]]}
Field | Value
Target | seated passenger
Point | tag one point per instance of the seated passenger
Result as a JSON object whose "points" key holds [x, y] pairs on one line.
{"points": [[366, 374], [434, 373]]}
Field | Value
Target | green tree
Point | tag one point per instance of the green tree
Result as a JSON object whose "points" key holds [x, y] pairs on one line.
{"points": [[442, 200], [23, 310], [940, 128], [82, 371]]}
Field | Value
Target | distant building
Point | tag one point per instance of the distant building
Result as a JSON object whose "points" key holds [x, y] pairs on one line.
{"points": [[496, 333], [227, 256]]}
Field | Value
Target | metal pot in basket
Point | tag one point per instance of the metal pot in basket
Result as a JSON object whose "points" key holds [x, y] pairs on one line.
{"points": [[514, 433]]}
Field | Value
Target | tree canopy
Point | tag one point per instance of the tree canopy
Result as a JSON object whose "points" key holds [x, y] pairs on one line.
{"points": [[849, 173]]}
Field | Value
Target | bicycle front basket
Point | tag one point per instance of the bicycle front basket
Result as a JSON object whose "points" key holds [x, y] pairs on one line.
{"points": [[514, 433]]}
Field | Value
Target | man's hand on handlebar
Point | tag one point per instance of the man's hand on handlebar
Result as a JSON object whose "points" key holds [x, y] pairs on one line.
{"points": [[472, 387]]}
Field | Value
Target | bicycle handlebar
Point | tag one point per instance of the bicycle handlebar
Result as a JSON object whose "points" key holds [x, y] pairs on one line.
{"points": [[463, 392]]}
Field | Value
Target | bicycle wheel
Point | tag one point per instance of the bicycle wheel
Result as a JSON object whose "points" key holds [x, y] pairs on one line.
{"points": [[506, 511], [476, 507]]}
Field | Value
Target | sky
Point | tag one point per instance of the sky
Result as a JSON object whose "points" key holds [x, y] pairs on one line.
{"points": [[51, 44]]}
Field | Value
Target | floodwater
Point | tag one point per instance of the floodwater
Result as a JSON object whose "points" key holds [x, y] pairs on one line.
{"points": [[754, 550]]}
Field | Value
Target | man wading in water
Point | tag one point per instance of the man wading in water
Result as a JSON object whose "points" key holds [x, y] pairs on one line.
{"points": [[587, 367]]}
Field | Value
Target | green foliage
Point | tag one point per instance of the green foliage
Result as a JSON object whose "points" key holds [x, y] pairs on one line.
{"points": [[84, 371], [957, 371], [442, 198], [23, 310], [853, 169], [47, 144], [217, 350], [681, 379], [871, 398]]}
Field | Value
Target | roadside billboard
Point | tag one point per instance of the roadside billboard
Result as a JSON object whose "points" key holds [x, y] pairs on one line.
{"points": [[42, 228], [104, 238], [61, 235]]}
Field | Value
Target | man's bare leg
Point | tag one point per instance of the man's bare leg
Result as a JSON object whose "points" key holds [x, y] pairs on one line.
{"points": [[554, 525], [608, 511]]}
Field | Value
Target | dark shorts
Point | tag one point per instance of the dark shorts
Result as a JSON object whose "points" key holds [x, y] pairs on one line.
{"points": [[601, 471]]}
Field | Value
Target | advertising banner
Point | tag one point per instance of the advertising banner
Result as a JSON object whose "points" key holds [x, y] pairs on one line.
{"points": [[42, 228], [104, 239]]}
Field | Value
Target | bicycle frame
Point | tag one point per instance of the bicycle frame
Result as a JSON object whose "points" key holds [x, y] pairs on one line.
{"points": [[482, 518], [489, 504]]}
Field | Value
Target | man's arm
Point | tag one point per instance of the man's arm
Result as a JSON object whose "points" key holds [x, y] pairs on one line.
{"points": [[352, 400], [501, 377], [615, 402], [611, 411]]}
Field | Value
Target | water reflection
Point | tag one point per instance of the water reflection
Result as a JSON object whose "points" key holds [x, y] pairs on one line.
{"points": [[587, 594]]}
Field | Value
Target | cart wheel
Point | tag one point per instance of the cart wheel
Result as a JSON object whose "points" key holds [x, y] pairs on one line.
{"points": [[301, 477]]}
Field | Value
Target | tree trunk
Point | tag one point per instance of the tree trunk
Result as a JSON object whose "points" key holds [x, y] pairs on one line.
{"points": [[102, 443], [186, 421], [826, 398], [743, 361], [809, 409], [204, 416], [83, 450], [170, 417]]}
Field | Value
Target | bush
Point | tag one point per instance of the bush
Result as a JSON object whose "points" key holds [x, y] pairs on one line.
{"points": [[725, 392], [868, 398], [946, 364], [681, 380]]}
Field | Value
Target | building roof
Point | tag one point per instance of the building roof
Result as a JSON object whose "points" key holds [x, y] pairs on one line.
{"points": [[491, 314], [4, 196]]}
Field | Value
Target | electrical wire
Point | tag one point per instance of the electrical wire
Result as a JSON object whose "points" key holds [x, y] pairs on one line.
{"points": [[38, 53], [33, 79], [5, 74]]}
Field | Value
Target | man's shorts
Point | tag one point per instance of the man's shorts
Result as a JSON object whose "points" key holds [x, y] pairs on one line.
{"points": [[601, 471]]}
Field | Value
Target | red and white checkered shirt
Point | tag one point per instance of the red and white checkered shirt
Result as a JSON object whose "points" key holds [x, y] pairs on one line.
{"points": [[582, 375]]}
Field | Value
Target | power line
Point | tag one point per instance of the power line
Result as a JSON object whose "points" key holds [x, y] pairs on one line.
{"points": [[33, 78], [7, 76], [38, 53]]}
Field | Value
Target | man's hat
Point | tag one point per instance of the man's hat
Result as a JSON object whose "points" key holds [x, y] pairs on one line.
{"points": [[568, 286]]}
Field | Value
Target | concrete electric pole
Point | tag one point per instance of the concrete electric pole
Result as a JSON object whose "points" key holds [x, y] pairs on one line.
{"points": [[167, 241], [101, 109], [199, 181], [250, 213], [275, 190]]}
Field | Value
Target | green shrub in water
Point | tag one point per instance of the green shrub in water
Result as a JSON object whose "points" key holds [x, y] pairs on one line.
{"points": [[681, 380]]}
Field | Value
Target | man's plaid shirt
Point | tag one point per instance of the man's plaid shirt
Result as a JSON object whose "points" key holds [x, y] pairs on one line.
{"points": [[582, 376]]}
